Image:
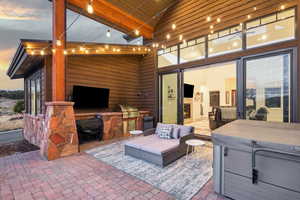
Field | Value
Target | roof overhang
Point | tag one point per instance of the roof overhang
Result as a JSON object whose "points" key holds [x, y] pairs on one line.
{"points": [[30, 53]]}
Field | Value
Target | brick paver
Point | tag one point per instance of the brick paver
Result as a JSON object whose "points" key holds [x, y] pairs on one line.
{"points": [[28, 176]]}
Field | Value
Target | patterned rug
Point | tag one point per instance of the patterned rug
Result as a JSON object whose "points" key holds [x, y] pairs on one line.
{"points": [[182, 179]]}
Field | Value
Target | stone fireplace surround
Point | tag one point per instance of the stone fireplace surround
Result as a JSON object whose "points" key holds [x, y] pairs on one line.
{"points": [[55, 131]]}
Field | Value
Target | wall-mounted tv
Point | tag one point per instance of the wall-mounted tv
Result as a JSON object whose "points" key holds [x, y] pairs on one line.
{"points": [[188, 91], [90, 97]]}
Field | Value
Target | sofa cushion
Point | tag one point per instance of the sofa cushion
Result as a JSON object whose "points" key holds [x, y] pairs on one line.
{"points": [[184, 130], [161, 126], [153, 144], [165, 132], [175, 131]]}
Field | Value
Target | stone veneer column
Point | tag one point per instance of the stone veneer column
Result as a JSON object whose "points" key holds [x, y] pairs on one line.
{"points": [[59, 133]]}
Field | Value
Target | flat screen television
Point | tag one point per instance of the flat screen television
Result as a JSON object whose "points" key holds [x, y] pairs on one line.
{"points": [[90, 97], [188, 91]]}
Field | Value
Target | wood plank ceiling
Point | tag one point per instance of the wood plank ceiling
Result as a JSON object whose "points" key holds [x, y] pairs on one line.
{"points": [[125, 15]]}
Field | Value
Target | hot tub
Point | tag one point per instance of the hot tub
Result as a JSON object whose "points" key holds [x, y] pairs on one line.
{"points": [[255, 160]]}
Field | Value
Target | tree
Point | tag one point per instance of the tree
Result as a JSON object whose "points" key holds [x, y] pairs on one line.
{"points": [[19, 106]]}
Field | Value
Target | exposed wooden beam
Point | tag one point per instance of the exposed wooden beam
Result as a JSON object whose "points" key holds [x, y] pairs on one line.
{"points": [[113, 15], [58, 58]]}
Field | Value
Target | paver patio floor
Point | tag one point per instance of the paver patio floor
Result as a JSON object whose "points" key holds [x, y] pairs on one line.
{"points": [[29, 176]]}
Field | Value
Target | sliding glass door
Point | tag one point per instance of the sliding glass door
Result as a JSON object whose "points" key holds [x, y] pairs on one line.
{"points": [[267, 92], [169, 98]]}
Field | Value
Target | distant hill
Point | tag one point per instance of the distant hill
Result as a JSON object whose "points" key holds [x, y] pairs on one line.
{"points": [[12, 94]]}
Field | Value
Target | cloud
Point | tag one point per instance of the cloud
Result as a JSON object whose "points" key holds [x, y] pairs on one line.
{"points": [[14, 11], [5, 57]]}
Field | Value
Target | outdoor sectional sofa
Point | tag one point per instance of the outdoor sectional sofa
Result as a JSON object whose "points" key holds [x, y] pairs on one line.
{"points": [[153, 149]]}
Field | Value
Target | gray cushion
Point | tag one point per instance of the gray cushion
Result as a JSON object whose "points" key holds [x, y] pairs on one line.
{"points": [[165, 132], [153, 144], [185, 130], [161, 126], [175, 131]]}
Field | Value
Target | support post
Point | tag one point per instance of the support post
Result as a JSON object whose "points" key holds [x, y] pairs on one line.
{"points": [[59, 44]]}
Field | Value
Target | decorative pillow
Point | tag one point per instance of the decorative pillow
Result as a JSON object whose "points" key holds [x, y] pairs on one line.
{"points": [[176, 131], [160, 126], [165, 132], [186, 130]]}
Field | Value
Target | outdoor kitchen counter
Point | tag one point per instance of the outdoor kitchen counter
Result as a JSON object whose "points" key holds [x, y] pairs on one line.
{"points": [[115, 126]]}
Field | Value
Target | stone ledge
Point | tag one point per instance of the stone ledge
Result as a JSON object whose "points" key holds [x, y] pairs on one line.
{"points": [[60, 103]]}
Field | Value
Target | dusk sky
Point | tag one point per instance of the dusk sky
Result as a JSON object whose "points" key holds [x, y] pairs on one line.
{"points": [[32, 19]]}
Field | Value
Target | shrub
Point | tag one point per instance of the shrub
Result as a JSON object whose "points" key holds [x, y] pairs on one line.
{"points": [[19, 107]]}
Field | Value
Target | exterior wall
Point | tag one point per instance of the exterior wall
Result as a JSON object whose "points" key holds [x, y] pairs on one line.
{"points": [[119, 73], [148, 83], [33, 129], [190, 19]]}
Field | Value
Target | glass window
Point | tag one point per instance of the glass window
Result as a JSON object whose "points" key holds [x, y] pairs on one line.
{"points": [[271, 31], [167, 57], [268, 88], [38, 96], [193, 50], [32, 97], [225, 44]]}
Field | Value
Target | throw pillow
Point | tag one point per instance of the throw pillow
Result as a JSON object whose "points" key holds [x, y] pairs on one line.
{"points": [[185, 130], [165, 132], [160, 126], [176, 131]]}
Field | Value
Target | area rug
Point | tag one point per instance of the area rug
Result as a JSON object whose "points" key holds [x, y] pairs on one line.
{"points": [[182, 179]]}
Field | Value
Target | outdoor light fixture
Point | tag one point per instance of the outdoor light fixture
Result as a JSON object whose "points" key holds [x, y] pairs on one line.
{"points": [[137, 32], [211, 26], [108, 33], [42, 52], [219, 20], [65, 52], [249, 16], [58, 42], [173, 26], [208, 19], [282, 7], [168, 36], [180, 37], [90, 8]]}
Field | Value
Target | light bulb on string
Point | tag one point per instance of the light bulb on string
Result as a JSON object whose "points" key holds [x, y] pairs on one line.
{"points": [[282, 7], [173, 26], [180, 37], [137, 32], [58, 42], [218, 19], [168, 36], [108, 34], [65, 52], [42, 52], [90, 8]]}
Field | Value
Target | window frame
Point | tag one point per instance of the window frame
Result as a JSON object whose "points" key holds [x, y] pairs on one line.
{"points": [[36, 77]]}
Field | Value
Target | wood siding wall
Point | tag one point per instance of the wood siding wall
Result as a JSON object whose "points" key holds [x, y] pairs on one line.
{"points": [[148, 85], [119, 73]]}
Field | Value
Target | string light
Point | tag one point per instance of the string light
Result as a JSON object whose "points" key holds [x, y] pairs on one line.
{"points": [[180, 37], [53, 50], [282, 7], [97, 50], [73, 50], [211, 26], [42, 52], [32, 52], [218, 19], [118, 50], [153, 45], [139, 48], [86, 51], [65, 52], [208, 19], [137, 32], [184, 42], [249, 16], [58, 42], [212, 31], [133, 49], [168, 36], [254, 8], [90, 8], [173, 26], [81, 48], [106, 46], [108, 34]]}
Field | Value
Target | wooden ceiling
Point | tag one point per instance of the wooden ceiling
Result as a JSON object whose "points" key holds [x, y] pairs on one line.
{"points": [[125, 15]]}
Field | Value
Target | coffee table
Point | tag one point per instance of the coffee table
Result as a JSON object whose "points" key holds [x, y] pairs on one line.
{"points": [[193, 143]]}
